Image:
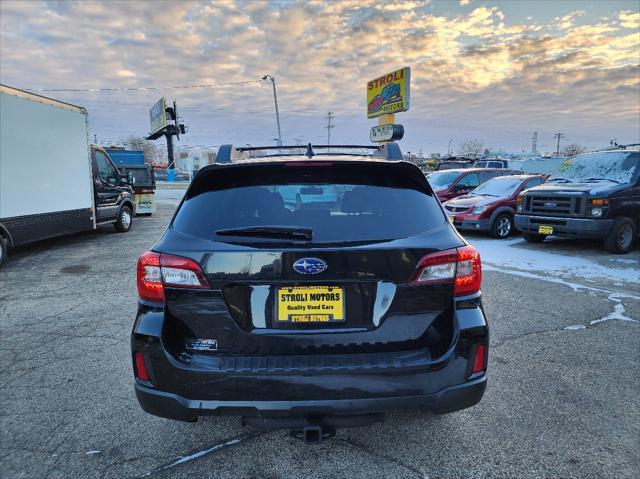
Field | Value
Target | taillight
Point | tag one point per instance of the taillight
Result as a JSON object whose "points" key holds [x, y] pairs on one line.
{"points": [[140, 369], [157, 270], [150, 285], [468, 272], [479, 360], [460, 266]]}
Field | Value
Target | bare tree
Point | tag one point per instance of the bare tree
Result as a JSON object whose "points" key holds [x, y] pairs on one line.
{"points": [[572, 150], [470, 148], [152, 152]]}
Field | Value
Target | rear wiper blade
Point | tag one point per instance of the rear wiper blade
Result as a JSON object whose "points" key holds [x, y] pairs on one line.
{"points": [[278, 232], [601, 179], [553, 180]]}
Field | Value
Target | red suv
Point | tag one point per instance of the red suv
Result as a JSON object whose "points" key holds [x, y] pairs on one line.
{"points": [[450, 184], [491, 206]]}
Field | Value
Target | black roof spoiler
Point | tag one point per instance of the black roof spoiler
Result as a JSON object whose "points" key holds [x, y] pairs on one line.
{"points": [[230, 154]]}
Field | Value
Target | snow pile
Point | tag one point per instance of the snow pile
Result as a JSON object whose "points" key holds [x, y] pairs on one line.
{"points": [[503, 256]]}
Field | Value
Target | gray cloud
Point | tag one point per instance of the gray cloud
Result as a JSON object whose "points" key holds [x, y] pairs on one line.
{"points": [[474, 73]]}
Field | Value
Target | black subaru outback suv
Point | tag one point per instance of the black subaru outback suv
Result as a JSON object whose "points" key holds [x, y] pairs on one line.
{"points": [[590, 196], [309, 291]]}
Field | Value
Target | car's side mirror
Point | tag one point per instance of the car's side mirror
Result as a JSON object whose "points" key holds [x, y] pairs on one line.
{"points": [[130, 178]]}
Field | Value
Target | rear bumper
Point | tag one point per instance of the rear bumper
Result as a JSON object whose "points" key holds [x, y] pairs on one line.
{"points": [[173, 406], [306, 385], [567, 227]]}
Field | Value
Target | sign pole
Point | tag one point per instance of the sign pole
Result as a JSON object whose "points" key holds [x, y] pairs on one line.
{"points": [[388, 119]]}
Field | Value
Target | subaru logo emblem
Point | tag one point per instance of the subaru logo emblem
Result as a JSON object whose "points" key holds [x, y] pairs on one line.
{"points": [[309, 266], [550, 204]]}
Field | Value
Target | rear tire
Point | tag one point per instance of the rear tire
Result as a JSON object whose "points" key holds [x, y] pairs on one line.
{"points": [[3, 250], [502, 227], [533, 237], [123, 222], [620, 238]]}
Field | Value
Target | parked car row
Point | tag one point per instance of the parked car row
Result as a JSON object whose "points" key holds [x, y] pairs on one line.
{"points": [[589, 196]]}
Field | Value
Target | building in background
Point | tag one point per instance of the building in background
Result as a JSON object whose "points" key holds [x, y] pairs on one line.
{"points": [[190, 159]]}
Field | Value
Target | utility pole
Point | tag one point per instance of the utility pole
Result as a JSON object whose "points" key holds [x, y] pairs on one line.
{"points": [[275, 99], [95, 139], [558, 136], [330, 125], [534, 142], [449, 148]]}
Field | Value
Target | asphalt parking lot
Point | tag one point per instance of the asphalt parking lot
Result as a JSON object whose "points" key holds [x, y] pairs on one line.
{"points": [[563, 398]]}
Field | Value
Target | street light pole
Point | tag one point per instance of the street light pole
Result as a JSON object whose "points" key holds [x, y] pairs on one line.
{"points": [[275, 99]]}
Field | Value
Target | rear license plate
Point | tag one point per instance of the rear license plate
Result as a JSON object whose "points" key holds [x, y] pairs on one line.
{"points": [[545, 230], [310, 304]]}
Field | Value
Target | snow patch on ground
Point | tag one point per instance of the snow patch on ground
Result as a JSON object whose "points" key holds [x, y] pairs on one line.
{"points": [[202, 453], [624, 260], [618, 312], [503, 255], [575, 327]]}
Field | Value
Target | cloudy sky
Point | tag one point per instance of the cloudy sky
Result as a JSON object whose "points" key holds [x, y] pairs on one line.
{"points": [[491, 70]]}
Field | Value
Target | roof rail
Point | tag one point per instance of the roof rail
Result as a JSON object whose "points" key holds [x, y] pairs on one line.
{"points": [[230, 154]]}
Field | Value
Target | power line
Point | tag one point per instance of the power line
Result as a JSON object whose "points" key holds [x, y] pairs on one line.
{"points": [[210, 85]]}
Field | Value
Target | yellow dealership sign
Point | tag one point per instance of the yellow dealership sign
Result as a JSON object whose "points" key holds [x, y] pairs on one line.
{"points": [[388, 93]]}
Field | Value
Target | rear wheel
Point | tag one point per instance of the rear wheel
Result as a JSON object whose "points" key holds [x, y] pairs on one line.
{"points": [[123, 222], [502, 226], [533, 237], [620, 238]]}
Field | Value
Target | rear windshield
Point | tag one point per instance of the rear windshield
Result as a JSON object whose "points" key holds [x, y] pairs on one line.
{"points": [[338, 204], [140, 175]]}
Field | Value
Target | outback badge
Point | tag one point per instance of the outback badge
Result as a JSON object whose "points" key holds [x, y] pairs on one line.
{"points": [[309, 266], [202, 344]]}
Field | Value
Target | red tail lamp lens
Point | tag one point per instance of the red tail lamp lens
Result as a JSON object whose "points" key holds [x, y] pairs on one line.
{"points": [[469, 271], [479, 361], [140, 368], [460, 265], [150, 285], [157, 270]]}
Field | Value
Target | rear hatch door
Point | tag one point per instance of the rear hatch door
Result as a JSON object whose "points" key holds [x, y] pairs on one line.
{"points": [[312, 257]]}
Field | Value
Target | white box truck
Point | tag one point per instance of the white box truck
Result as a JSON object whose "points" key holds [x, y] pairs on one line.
{"points": [[52, 180]]}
